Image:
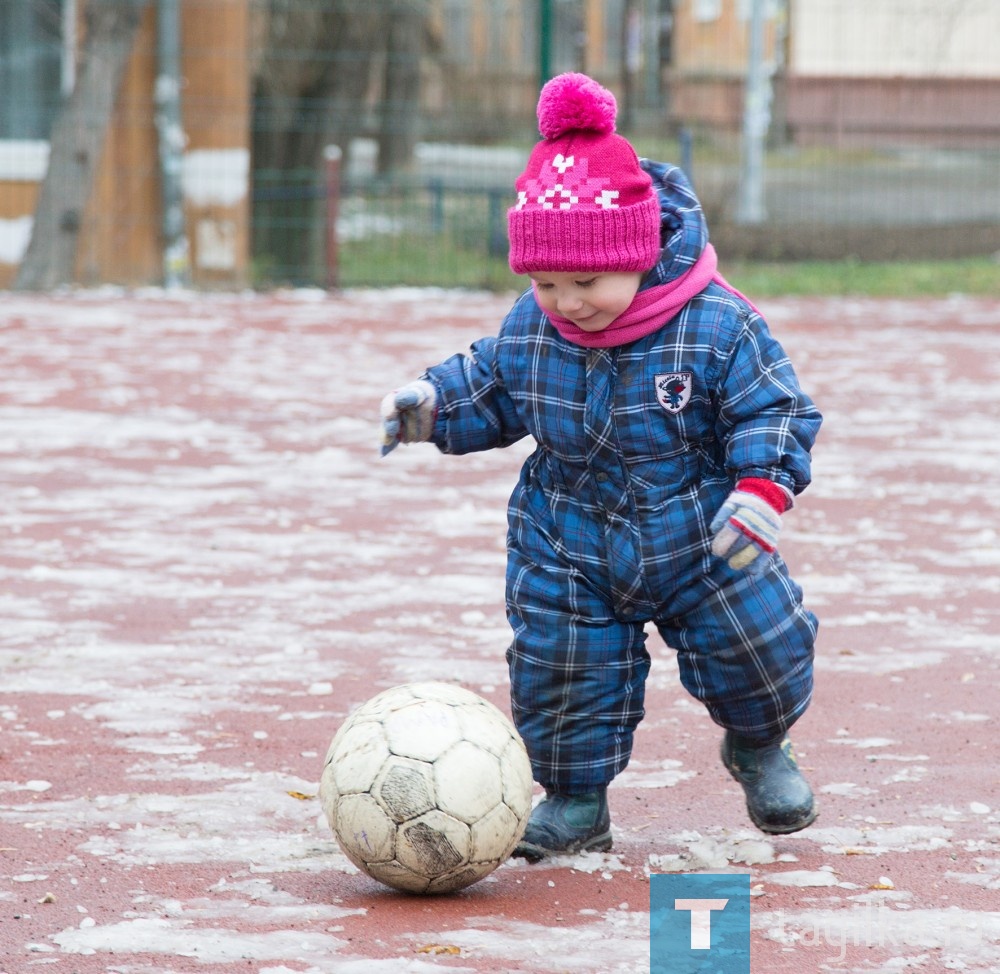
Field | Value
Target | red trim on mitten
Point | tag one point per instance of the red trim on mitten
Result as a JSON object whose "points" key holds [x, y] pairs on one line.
{"points": [[766, 490]]}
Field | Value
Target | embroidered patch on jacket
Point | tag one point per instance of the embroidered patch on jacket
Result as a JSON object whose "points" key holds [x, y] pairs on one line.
{"points": [[673, 390]]}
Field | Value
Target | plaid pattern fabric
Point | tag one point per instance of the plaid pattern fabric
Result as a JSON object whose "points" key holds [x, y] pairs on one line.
{"points": [[638, 447], [744, 645]]}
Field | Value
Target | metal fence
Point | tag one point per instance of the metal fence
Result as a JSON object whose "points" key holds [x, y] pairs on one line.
{"points": [[384, 136], [429, 227]]}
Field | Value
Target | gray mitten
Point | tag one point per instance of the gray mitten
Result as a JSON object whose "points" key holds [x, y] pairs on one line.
{"points": [[408, 415]]}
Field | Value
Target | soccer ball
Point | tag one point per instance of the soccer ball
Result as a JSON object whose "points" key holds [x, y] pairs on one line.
{"points": [[427, 787]]}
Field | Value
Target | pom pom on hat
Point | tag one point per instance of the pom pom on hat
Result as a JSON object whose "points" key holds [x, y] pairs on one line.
{"points": [[583, 201], [574, 101]]}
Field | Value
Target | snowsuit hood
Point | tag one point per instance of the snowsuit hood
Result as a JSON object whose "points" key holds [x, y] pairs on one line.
{"points": [[686, 265], [683, 230]]}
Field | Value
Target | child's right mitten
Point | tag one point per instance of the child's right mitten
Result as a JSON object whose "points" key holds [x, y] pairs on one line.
{"points": [[408, 415]]}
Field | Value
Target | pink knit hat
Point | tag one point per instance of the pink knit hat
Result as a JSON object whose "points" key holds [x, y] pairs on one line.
{"points": [[583, 202]]}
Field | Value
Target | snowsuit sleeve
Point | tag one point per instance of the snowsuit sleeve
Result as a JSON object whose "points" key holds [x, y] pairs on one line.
{"points": [[475, 411], [766, 422]]}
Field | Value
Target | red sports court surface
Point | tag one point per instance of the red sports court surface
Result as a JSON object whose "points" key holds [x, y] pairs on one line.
{"points": [[205, 565]]}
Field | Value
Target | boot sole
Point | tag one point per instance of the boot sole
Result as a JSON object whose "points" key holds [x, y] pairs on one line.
{"points": [[536, 853], [798, 826]]}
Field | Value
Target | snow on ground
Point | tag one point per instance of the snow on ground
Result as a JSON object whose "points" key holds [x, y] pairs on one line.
{"points": [[205, 565]]}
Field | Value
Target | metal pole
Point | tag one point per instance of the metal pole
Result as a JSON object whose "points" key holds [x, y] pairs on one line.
{"points": [[170, 132], [69, 42], [332, 161], [756, 119], [651, 55], [544, 41]]}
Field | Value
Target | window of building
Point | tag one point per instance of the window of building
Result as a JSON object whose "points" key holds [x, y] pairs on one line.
{"points": [[457, 21], [706, 11], [32, 68]]}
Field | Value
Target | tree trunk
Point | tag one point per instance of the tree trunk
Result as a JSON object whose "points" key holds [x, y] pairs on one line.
{"points": [[309, 92], [407, 28], [76, 142]]}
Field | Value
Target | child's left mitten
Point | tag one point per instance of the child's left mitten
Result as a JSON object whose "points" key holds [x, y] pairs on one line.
{"points": [[745, 530]]}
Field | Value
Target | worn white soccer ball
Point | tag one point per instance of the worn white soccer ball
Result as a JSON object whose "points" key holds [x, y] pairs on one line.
{"points": [[427, 787]]}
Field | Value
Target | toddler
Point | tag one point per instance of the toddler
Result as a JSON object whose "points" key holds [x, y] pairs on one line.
{"points": [[671, 435]]}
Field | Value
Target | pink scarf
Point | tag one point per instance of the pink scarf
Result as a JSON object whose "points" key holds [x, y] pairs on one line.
{"points": [[650, 309]]}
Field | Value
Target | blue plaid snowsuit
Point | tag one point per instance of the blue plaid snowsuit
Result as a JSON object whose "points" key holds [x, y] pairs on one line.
{"points": [[609, 521]]}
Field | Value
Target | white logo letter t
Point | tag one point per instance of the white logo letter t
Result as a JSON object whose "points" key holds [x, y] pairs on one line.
{"points": [[701, 920]]}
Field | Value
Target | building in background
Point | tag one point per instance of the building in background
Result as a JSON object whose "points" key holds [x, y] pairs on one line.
{"points": [[925, 72], [845, 72]]}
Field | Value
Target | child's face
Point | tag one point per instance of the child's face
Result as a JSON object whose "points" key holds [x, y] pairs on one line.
{"points": [[590, 300]]}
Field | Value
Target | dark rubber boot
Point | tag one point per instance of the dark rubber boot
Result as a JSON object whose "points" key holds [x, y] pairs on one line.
{"points": [[779, 799], [564, 824]]}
